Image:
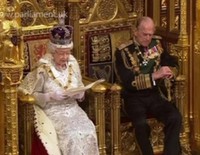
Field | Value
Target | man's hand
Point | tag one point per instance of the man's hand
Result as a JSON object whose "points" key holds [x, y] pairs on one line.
{"points": [[162, 73]]}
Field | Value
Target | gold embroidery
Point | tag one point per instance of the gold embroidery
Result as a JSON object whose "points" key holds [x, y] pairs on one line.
{"points": [[142, 81], [126, 63], [125, 44], [150, 54], [148, 82], [133, 61]]}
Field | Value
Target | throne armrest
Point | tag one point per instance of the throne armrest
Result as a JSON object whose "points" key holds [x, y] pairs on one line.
{"points": [[179, 92], [25, 98], [25, 107]]}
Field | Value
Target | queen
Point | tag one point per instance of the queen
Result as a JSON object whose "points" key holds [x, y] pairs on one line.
{"points": [[60, 123]]}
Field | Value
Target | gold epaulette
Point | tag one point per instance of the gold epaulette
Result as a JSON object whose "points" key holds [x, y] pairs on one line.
{"points": [[157, 37], [125, 44]]}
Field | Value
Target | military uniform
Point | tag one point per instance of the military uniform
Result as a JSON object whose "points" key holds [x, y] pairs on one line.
{"points": [[134, 66]]}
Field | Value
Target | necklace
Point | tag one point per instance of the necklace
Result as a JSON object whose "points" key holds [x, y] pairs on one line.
{"points": [[51, 75]]}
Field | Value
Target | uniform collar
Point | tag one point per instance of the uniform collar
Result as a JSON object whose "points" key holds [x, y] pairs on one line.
{"points": [[142, 48]]}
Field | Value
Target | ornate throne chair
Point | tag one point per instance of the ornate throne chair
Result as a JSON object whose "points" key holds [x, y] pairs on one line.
{"points": [[98, 34], [100, 42], [35, 32]]}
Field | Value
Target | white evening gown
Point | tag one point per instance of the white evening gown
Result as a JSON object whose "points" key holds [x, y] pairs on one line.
{"points": [[75, 133]]}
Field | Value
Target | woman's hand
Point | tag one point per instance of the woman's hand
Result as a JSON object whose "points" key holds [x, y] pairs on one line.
{"points": [[57, 95], [80, 97]]}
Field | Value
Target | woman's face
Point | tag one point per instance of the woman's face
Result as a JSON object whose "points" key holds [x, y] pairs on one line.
{"points": [[61, 56]]}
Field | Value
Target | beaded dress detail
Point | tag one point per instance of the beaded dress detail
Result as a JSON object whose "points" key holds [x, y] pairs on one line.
{"points": [[69, 131]]}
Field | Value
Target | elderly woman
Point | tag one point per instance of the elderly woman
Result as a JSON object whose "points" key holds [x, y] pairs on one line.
{"points": [[62, 126]]}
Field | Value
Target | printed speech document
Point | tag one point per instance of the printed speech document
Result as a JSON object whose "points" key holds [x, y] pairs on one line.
{"points": [[74, 91]]}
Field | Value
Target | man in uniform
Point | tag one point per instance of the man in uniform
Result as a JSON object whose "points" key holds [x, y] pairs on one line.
{"points": [[140, 64]]}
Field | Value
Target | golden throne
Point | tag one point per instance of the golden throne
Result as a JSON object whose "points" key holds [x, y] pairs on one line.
{"points": [[35, 37], [100, 30], [99, 26]]}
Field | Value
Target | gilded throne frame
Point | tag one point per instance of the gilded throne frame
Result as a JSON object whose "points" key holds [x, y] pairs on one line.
{"points": [[92, 22]]}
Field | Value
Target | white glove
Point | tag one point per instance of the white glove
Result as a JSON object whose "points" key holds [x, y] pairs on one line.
{"points": [[57, 95]]}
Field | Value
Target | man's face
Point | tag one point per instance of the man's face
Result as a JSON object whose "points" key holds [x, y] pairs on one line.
{"points": [[61, 56], [144, 33]]}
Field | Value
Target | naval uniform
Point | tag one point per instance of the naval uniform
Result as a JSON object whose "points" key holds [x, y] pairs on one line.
{"points": [[134, 66]]}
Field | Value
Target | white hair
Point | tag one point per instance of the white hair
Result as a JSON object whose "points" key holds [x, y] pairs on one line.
{"points": [[52, 47]]}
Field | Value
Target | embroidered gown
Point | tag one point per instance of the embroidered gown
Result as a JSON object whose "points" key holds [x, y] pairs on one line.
{"points": [[62, 126]]}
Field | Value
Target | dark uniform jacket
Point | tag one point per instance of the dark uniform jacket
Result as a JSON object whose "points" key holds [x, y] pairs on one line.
{"points": [[134, 65]]}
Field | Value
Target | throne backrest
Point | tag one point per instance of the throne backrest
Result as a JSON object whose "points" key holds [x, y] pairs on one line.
{"points": [[35, 46], [101, 45]]}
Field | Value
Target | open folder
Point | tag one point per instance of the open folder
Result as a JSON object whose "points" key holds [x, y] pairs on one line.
{"points": [[74, 91]]}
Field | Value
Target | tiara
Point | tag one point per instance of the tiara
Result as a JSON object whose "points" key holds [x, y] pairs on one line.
{"points": [[61, 35]]}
